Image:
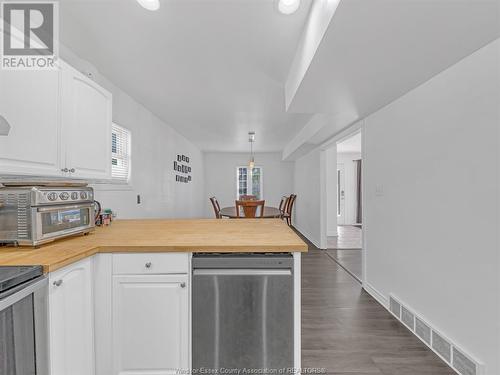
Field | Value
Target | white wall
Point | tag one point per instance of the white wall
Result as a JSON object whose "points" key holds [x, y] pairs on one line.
{"points": [[350, 176], [308, 180], [432, 230], [220, 177], [155, 146], [331, 190]]}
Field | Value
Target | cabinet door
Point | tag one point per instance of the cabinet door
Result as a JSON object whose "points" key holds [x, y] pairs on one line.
{"points": [[71, 320], [150, 324], [29, 101], [87, 121]]}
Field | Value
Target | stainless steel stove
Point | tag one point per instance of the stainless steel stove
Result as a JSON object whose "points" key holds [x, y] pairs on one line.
{"points": [[23, 321]]}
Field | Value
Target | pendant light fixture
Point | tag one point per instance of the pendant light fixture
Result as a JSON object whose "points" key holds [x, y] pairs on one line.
{"points": [[251, 139]]}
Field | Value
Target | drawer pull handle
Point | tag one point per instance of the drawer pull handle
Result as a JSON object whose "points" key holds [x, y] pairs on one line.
{"points": [[183, 285], [57, 283], [148, 265]]}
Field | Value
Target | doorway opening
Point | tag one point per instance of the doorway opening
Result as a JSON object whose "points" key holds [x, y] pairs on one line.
{"points": [[346, 247]]}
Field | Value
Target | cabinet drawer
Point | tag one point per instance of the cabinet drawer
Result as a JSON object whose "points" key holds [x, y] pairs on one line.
{"points": [[150, 263]]}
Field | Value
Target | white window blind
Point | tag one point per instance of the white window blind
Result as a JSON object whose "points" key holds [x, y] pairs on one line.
{"points": [[120, 153]]}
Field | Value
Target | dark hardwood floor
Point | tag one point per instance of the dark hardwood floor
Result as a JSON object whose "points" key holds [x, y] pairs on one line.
{"points": [[347, 332]]}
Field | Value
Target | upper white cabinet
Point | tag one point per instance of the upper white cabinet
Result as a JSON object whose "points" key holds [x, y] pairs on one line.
{"points": [[60, 124], [30, 102], [71, 311], [87, 118]]}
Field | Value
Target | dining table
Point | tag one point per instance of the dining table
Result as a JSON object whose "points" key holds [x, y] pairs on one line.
{"points": [[269, 212]]}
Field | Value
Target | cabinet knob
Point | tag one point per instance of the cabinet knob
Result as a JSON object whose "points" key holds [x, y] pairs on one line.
{"points": [[183, 285], [148, 265], [57, 283], [65, 170], [72, 170]]}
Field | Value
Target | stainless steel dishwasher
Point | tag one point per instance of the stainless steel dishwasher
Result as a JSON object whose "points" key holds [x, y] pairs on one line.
{"points": [[242, 311]]}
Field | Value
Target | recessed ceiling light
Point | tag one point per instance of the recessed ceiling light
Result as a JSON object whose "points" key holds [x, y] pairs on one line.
{"points": [[288, 6], [150, 4]]}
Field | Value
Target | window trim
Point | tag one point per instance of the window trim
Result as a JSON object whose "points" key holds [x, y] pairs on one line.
{"points": [[119, 181], [261, 181]]}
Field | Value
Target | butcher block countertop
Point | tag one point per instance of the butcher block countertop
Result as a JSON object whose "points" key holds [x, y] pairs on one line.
{"points": [[204, 235]]}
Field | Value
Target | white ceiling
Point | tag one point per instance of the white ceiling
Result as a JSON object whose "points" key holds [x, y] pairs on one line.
{"points": [[375, 51], [350, 145], [212, 69], [215, 69]]}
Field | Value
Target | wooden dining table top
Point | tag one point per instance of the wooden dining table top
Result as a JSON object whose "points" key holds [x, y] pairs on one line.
{"points": [[269, 212]]}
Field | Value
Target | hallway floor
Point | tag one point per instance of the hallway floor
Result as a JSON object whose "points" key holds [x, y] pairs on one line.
{"points": [[346, 249], [345, 331]]}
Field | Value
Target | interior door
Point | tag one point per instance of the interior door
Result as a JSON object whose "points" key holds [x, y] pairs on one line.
{"points": [[340, 194]]}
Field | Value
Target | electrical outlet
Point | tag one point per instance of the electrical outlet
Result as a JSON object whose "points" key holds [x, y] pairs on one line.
{"points": [[379, 190]]}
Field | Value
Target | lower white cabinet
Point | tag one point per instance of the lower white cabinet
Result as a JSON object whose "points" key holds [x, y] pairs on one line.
{"points": [[71, 320], [150, 324]]}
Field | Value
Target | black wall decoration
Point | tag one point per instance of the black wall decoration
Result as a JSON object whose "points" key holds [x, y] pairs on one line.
{"points": [[180, 166]]}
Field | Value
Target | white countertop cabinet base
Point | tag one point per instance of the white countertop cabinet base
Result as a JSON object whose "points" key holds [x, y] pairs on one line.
{"points": [[71, 312], [150, 324], [129, 314]]}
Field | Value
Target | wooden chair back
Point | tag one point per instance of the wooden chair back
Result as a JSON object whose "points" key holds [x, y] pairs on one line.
{"points": [[249, 208], [289, 206], [216, 206], [287, 213], [247, 197], [283, 203]]}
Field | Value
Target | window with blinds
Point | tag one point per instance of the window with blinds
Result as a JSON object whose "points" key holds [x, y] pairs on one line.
{"points": [[120, 153]]}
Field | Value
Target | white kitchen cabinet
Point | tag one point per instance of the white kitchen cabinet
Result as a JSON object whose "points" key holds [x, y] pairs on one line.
{"points": [[87, 118], [30, 102], [150, 324], [71, 311], [60, 124]]}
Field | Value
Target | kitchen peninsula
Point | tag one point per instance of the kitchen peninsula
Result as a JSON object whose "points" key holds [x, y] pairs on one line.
{"points": [[120, 299]]}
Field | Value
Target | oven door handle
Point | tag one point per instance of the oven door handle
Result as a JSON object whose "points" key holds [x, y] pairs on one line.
{"points": [[65, 207], [23, 293]]}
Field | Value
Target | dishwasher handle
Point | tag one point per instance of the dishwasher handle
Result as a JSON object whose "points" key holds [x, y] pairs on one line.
{"points": [[241, 272]]}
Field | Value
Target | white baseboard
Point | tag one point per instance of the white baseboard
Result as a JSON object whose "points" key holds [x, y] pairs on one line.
{"points": [[307, 235], [384, 301]]}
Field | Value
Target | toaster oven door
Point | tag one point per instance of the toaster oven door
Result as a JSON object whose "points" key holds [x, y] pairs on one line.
{"points": [[60, 221]]}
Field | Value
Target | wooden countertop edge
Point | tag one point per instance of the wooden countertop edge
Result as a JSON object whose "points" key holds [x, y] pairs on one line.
{"points": [[51, 267], [157, 236]]}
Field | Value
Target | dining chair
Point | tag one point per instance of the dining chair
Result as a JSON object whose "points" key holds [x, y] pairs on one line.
{"points": [[249, 208], [289, 209], [216, 206], [282, 206], [248, 197]]}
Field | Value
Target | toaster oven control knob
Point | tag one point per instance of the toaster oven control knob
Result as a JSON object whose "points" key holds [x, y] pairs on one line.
{"points": [[74, 195], [64, 196], [52, 196], [83, 195]]}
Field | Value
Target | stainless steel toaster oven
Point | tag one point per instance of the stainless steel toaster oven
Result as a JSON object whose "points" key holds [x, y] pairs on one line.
{"points": [[33, 215]]}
